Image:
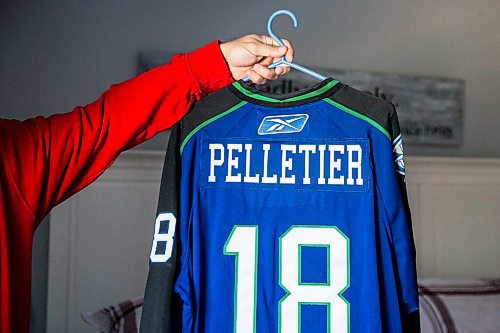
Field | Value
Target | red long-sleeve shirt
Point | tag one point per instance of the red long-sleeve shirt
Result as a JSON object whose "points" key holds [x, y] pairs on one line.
{"points": [[43, 161]]}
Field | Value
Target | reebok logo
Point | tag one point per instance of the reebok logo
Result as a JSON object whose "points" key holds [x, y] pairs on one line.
{"points": [[293, 123]]}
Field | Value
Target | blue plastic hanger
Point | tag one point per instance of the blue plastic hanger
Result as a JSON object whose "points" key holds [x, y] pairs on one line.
{"points": [[283, 61]]}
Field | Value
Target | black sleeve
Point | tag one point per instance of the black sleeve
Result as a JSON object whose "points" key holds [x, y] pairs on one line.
{"points": [[158, 297], [411, 321], [400, 165]]}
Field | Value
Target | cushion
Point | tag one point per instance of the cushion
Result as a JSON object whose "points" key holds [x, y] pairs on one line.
{"points": [[123, 317], [446, 305], [459, 305]]}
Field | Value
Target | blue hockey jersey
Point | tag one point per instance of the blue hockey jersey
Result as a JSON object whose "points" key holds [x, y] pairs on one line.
{"points": [[283, 213]]}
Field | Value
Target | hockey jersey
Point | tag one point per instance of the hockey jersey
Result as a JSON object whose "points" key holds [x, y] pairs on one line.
{"points": [[283, 213]]}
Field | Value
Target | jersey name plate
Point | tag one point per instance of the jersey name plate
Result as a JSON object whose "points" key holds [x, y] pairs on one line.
{"points": [[305, 164]]}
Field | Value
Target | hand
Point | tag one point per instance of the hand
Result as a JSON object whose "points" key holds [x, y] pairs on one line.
{"points": [[250, 55]]}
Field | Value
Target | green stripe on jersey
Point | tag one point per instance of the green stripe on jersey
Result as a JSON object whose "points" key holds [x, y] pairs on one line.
{"points": [[360, 116], [208, 121], [317, 92]]}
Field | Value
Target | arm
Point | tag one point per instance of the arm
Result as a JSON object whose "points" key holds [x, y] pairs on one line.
{"points": [[49, 159], [46, 160]]}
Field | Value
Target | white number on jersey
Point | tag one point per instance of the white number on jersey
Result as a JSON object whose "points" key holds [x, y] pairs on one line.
{"points": [[160, 237], [242, 242]]}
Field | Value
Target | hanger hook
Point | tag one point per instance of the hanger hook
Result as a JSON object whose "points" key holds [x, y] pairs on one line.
{"points": [[283, 61], [270, 23]]}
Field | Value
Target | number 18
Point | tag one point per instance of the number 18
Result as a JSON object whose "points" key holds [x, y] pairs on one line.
{"points": [[243, 243]]}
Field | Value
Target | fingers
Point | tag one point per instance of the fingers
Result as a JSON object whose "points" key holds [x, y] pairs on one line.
{"points": [[264, 50], [260, 74], [266, 73], [256, 78], [268, 60], [281, 70], [270, 41], [290, 50]]}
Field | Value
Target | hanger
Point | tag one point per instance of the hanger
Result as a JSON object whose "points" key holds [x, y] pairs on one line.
{"points": [[283, 61]]}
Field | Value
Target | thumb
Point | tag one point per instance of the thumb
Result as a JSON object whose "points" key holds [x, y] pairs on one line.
{"points": [[265, 50]]}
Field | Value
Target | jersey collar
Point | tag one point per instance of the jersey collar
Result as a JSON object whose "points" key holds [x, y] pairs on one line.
{"points": [[250, 93]]}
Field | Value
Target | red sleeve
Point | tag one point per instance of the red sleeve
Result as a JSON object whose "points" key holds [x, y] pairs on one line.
{"points": [[49, 159]]}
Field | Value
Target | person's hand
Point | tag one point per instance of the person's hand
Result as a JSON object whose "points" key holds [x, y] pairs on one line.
{"points": [[250, 55]]}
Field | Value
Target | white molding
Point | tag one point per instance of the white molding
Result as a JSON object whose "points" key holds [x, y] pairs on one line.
{"points": [[452, 170], [135, 165], [455, 215], [58, 270]]}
